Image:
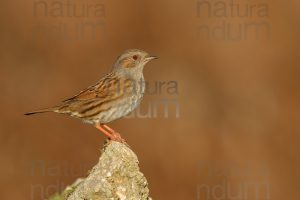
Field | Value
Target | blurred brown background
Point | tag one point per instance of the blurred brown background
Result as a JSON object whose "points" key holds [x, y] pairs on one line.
{"points": [[237, 134]]}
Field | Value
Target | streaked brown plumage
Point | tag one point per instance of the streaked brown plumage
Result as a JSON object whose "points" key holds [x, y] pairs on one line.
{"points": [[112, 97]]}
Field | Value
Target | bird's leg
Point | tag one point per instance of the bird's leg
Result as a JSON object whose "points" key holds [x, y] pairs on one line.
{"points": [[108, 134], [112, 135]]}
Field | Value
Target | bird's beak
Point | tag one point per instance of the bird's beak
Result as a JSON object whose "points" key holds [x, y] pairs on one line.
{"points": [[148, 58]]}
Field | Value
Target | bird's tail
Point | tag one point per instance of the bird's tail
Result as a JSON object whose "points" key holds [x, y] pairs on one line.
{"points": [[41, 111]]}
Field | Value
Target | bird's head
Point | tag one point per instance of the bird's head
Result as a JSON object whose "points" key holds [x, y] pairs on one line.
{"points": [[133, 61]]}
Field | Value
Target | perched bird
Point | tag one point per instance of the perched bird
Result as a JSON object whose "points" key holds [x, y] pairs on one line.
{"points": [[112, 97]]}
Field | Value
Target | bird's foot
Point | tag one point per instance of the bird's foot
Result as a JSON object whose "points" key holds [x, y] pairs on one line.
{"points": [[110, 133], [117, 137]]}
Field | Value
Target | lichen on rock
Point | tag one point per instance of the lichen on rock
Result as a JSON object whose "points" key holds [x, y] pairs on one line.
{"points": [[116, 177]]}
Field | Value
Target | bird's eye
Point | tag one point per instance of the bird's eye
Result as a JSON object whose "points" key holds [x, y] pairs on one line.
{"points": [[135, 57]]}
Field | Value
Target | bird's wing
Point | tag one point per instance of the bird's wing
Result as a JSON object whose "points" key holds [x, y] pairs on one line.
{"points": [[92, 100], [102, 89]]}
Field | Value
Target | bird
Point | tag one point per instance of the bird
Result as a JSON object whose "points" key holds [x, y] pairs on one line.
{"points": [[114, 96]]}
